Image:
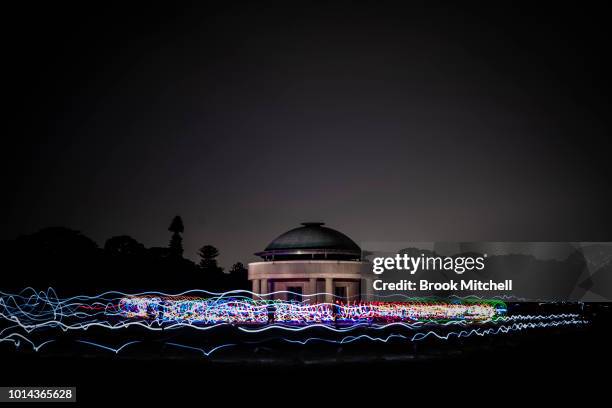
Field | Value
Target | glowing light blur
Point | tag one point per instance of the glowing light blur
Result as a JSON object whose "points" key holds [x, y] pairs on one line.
{"points": [[244, 310], [40, 319]]}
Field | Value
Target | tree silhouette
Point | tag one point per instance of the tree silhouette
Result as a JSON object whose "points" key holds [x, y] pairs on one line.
{"points": [[72, 263], [239, 276], [176, 242], [208, 255], [123, 245], [55, 257], [238, 270], [212, 276]]}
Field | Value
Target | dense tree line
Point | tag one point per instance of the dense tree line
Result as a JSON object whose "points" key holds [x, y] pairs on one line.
{"points": [[70, 262]]}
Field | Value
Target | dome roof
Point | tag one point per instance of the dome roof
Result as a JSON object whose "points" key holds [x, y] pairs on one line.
{"points": [[312, 240]]}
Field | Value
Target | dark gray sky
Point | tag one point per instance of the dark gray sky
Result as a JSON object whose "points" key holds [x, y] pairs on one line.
{"points": [[388, 123]]}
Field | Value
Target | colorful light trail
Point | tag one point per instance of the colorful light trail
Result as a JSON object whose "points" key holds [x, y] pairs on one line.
{"points": [[113, 321], [246, 311]]}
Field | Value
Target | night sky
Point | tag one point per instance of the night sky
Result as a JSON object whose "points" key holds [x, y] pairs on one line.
{"points": [[387, 123]]}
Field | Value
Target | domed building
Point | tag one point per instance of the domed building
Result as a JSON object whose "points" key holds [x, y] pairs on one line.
{"points": [[311, 259]]}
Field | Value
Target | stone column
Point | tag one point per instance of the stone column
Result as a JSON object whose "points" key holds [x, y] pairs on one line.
{"points": [[312, 289], [368, 289], [263, 286], [255, 283], [329, 290]]}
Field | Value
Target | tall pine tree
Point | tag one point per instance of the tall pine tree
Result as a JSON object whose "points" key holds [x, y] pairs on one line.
{"points": [[208, 258], [176, 242]]}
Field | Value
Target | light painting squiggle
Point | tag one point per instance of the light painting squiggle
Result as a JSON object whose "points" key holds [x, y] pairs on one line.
{"points": [[113, 321], [245, 311]]}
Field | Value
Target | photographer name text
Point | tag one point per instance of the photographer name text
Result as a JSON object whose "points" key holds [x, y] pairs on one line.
{"points": [[424, 285]]}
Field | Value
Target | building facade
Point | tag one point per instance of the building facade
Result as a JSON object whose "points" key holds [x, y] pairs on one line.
{"points": [[314, 263]]}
